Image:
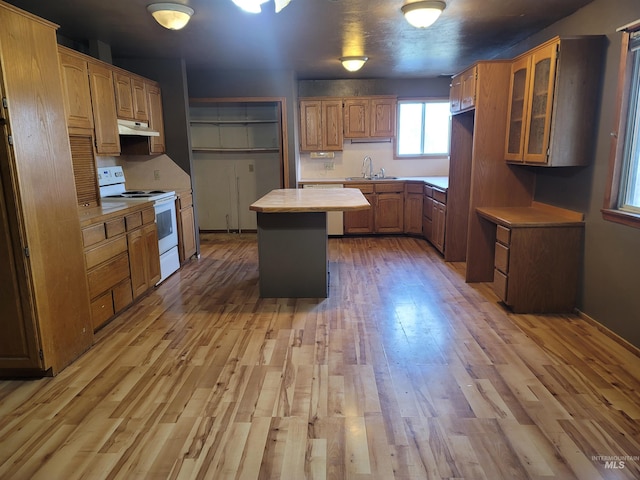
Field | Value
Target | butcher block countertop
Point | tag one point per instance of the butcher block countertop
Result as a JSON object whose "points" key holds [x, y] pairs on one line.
{"points": [[537, 215], [310, 200]]}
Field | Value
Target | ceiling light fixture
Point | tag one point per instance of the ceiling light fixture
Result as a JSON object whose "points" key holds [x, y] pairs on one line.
{"points": [[353, 64], [422, 14], [253, 6], [173, 16]]}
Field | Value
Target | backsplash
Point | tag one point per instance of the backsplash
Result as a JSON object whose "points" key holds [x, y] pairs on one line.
{"points": [[348, 163], [141, 172]]}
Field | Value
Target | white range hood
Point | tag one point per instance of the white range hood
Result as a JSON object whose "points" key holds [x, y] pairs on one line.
{"points": [[140, 129]]}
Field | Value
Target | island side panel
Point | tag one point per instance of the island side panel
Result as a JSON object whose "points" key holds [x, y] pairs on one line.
{"points": [[293, 254]]}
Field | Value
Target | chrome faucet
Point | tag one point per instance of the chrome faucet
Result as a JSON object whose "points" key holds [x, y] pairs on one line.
{"points": [[367, 162]]}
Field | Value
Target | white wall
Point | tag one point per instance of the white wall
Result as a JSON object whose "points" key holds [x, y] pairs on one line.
{"points": [[348, 163]]}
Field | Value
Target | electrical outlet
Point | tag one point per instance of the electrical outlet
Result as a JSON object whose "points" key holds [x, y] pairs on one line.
{"points": [[156, 174], [329, 165]]}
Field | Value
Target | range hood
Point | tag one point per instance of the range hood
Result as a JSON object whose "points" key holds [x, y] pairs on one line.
{"points": [[140, 129]]}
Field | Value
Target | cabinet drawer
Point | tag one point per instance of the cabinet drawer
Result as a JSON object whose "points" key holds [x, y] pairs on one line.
{"points": [[502, 258], [414, 188], [133, 220], [428, 190], [101, 310], [93, 234], [185, 201], [104, 252], [115, 227], [500, 281], [148, 216], [108, 274], [396, 187], [364, 187], [439, 196], [503, 235]]}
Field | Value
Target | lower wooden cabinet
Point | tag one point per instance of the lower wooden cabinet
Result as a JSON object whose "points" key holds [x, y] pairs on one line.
{"points": [[386, 214], [122, 261], [434, 216], [187, 246], [413, 201]]}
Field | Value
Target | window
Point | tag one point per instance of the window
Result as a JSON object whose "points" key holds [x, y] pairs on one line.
{"points": [[423, 128], [622, 201]]}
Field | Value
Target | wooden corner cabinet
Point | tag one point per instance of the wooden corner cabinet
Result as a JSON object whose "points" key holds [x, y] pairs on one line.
{"points": [[44, 296], [551, 113], [321, 125]]}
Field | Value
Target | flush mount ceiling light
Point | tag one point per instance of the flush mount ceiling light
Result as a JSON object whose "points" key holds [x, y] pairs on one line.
{"points": [[253, 6], [173, 16], [353, 64], [422, 14]]}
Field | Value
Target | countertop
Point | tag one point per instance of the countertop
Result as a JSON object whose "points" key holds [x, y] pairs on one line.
{"points": [[310, 200], [89, 216], [439, 182], [537, 215]]}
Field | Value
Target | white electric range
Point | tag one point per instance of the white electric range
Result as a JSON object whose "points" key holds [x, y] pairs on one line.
{"points": [[112, 189]]}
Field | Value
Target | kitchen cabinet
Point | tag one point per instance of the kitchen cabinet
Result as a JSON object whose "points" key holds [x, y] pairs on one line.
{"points": [[131, 97], [321, 125], [74, 72], [369, 117], [434, 216], [156, 120], [462, 94], [44, 296], [386, 214], [551, 114], [413, 200], [144, 255], [186, 227], [238, 156], [103, 102], [536, 256]]}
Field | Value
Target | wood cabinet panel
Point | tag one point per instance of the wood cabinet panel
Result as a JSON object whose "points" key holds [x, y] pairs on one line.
{"points": [[115, 227], [140, 105], [369, 117], [144, 258], [361, 221], [124, 95], [462, 93], [187, 233], [75, 84], [389, 213], [93, 234], [103, 103], [357, 118], [102, 309], [321, 125], [413, 213], [133, 221], [105, 251], [502, 258], [383, 117], [108, 274], [156, 119]]}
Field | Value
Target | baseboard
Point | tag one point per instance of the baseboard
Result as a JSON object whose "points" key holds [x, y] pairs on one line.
{"points": [[609, 333]]}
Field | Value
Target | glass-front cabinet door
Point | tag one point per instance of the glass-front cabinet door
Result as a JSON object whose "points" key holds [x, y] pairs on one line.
{"points": [[517, 110], [543, 70]]}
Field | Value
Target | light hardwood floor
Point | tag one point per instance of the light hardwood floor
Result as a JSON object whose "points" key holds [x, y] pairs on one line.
{"points": [[404, 372]]}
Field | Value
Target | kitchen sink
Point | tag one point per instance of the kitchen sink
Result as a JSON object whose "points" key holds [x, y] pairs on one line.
{"points": [[357, 179]]}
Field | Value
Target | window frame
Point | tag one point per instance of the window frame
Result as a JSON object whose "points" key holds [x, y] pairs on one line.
{"points": [[396, 138], [611, 211]]}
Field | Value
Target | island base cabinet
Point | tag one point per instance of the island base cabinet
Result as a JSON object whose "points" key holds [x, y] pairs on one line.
{"points": [[536, 269], [293, 255]]}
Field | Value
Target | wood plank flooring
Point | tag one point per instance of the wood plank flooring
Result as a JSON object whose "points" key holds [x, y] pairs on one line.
{"points": [[404, 372]]}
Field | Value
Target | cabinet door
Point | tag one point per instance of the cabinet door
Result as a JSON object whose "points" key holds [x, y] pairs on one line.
{"points": [[124, 96], [188, 233], [455, 94], [136, 244], [438, 227], [151, 254], [413, 213], [103, 103], [332, 136], [389, 213], [516, 116], [383, 117], [361, 221], [139, 94], [356, 118], [468, 96], [310, 125], [156, 120], [75, 87], [542, 82]]}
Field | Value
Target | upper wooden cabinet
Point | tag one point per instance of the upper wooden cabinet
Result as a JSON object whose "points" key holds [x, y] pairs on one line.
{"points": [[156, 122], [75, 85], [131, 97], [551, 112], [462, 95], [369, 117], [321, 125], [104, 109]]}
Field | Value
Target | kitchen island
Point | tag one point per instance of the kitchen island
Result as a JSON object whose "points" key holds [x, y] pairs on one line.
{"points": [[292, 239]]}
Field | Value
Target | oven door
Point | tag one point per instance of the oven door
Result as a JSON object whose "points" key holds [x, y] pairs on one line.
{"points": [[166, 223]]}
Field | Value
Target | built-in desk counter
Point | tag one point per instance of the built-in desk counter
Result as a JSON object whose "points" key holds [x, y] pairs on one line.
{"points": [[536, 255], [292, 239]]}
